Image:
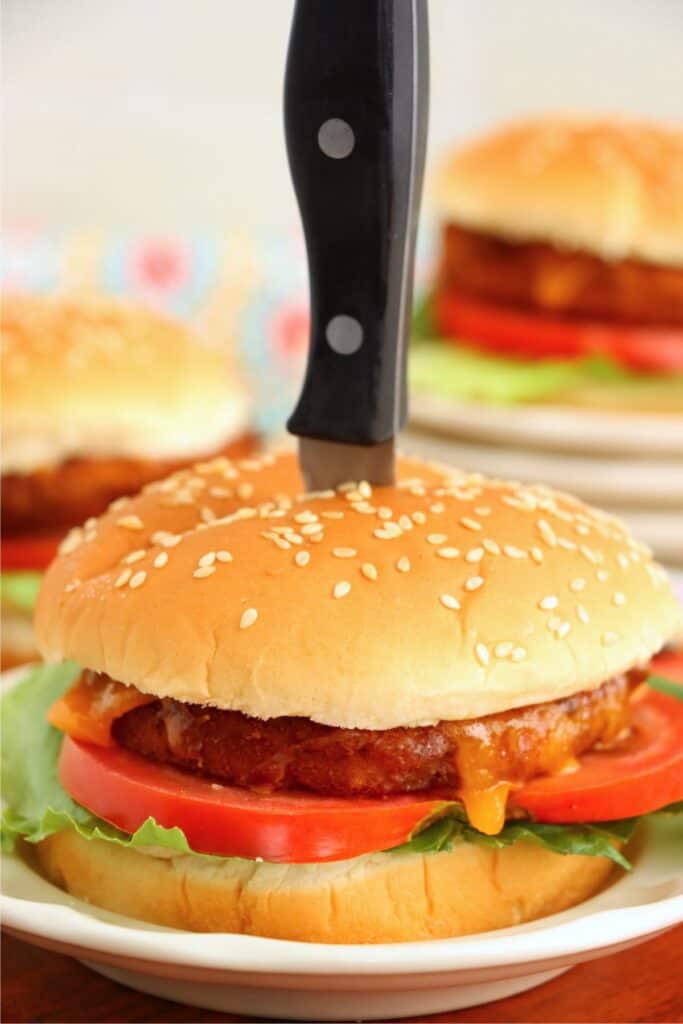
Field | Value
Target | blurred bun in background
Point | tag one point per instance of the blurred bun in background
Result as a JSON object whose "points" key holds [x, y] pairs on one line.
{"points": [[99, 398]]}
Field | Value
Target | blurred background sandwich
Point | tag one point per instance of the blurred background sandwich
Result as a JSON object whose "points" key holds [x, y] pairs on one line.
{"points": [[99, 399]]}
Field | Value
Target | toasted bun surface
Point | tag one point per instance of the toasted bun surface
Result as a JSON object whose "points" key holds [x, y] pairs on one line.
{"points": [[610, 187], [84, 377], [445, 597], [378, 898]]}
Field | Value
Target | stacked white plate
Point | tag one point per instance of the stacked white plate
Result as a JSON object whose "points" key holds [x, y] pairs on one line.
{"points": [[629, 464]]}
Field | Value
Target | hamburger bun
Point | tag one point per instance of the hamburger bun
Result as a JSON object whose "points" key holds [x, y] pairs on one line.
{"points": [[447, 597], [606, 186], [99, 378], [384, 897]]}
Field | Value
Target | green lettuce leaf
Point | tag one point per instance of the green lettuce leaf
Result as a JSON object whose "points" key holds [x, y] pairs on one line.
{"points": [[666, 686], [19, 590], [446, 370], [36, 804], [594, 840]]}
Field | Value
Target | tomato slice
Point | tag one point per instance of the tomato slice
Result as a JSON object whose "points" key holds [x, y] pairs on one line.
{"points": [[29, 552], [641, 775], [535, 335], [669, 665], [125, 789]]}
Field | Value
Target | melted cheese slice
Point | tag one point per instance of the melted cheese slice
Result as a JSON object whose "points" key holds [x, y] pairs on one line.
{"points": [[486, 807], [88, 710]]}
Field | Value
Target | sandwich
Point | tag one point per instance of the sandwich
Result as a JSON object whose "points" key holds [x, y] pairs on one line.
{"points": [[560, 274], [99, 398], [374, 714]]}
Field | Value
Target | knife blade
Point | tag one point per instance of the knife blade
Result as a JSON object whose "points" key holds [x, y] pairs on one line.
{"points": [[356, 97]]}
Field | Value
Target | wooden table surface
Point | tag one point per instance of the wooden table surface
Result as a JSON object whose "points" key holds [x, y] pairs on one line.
{"points": [[641, 984]]}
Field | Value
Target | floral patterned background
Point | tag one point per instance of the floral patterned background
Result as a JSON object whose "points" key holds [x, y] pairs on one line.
{"points": [[241, 290]]}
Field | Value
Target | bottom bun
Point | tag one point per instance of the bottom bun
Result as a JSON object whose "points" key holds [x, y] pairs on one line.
{"points": [[383, 897], [18, 641]]}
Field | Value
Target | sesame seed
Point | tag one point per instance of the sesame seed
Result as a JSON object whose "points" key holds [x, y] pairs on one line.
{"points": [[537, 555], [302, 557], [249, 617], [609, 638], [602, 576], [365, 489], [436, 538], [548, 603], [553, 623], [72, 585], [405, 522], [369, 571], [130, 522], [470, 524], [344, 552], [403, 564], [223, 556], [448, 601], [203, 571], [207, 515], [333, 514], [588, 554], [512, 552], [582, 614], [384, 512], [503, 649], [519, 654], [245, 491], [341, 589], [492, 546], [220, 492], [208, 559], [419, 518], [448, 552], [418, 491], [582, 529], [474, 555], [483, 510], [619, 599], [348, 485], [622, 560], [577, 585], [71, 542], [138, 579], [311, 528], [474, 582], [123, 578], [437, 508], [547, 533], [483, 654], [281, 543], [305, 517], [563, 629], [160, 560], [135, 556]]}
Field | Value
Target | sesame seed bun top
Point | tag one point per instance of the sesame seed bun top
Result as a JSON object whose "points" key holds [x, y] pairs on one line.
{"points": [[607, 186], [448, 596], [96, 377]]}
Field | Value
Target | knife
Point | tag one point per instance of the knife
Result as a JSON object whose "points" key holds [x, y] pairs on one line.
{"points": [[356, 100]]}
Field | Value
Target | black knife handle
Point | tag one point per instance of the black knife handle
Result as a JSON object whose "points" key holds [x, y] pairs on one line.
{"points": [[356, 96]]}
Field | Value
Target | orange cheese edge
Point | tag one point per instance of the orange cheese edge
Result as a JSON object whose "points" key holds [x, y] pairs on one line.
{"points": [[90, 707]]}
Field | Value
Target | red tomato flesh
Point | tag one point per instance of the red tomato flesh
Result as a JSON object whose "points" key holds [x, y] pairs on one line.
{"points": [[29, 552], [125, 789], [669, 665], [528, 335], [642, 774]]}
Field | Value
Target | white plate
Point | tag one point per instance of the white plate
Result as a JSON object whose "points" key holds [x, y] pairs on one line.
{"points": [[291, 980], [557, 427]]}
